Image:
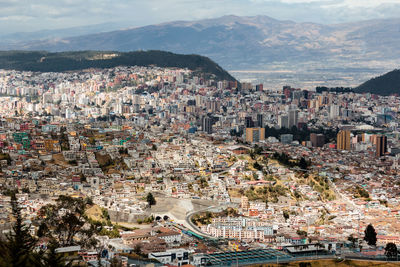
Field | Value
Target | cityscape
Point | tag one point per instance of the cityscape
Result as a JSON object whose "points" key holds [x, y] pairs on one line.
{"points": [[155, 164]]}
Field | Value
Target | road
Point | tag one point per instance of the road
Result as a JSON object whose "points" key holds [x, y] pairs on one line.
{"points": [[193, 227]]}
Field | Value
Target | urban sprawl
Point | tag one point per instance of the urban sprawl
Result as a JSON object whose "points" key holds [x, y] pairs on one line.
{"points": [[179, 168]]}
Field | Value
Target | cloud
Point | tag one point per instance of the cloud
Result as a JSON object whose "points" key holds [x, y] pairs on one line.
{"points": [[31, 15]]}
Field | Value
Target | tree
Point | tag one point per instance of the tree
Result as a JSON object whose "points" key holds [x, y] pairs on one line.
{"points": [[353, 240], [137, 249], [51, 258], [370, 235], [17, 249], [257, 166], [116, 262], [301, 233], [303, 164], [150, 199], [65, 221], [285, 215], [391, 250]]}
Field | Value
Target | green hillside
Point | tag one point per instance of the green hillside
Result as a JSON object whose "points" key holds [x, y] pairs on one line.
{"points": [[71, 61], [386, 84]]}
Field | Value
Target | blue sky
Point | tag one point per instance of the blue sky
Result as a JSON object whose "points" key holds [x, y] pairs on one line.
{"points": [[33, 15]]}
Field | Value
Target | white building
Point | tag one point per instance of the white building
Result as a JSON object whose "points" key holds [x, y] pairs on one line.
{"points": [[177, 257]]}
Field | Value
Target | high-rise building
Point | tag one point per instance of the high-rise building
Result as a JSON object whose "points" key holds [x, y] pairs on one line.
{"points": [[293, 118], [206, 125], [317, 140], [347, 113], [260, 120], [283, 121], [343, 140], [246, 86], [287, 91], [213, 106], [334, 111], [381, 145], [255, 134], [199, 100], [248, 122], [297, 94]]}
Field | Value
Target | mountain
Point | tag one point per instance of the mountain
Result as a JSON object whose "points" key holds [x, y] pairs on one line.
{"points": [[386, 84], [247, 42], [18, 37], [68, 61]]}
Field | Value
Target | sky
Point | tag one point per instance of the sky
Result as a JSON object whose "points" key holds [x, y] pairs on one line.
{"points": [[35, 15]]}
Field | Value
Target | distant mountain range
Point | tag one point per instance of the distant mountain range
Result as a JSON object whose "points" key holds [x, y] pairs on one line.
{"points": [[244, 42], [19, 38], [386, 84], [69, 61]]}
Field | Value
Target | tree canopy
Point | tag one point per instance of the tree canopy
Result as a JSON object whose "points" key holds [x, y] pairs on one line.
{"points": [[17, 249], [370, 235], [391, 250], [61, 224], [66, 222], [150, 199]]}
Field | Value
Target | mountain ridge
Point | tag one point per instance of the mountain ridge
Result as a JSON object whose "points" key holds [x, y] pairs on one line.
{"points": [[386, 84], [237, 42]]}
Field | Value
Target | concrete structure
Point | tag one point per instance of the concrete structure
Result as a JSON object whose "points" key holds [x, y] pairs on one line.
{"points": [[255, 134], [343, 140]]}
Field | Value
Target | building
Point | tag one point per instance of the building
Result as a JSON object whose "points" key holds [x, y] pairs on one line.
{"points": [[343, 140], [244, 203], [255, 134], [259, 87], [213, 106], [286, 138], [178, 257], [206, 125], [240, 258], [283, 121], [69, 252], [317, 140], [260, 120], [297, 94], [249, 122], [381, 145], [170, 236], [293, 118], [334, 111]]}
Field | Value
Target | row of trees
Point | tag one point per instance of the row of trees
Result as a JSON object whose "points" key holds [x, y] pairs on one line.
{"points": [[286, 160], [302, 134]]}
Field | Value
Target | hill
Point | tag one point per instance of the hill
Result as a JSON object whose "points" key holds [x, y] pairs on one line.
{"points": [[244, 42], [70, 61], [386, 84]]}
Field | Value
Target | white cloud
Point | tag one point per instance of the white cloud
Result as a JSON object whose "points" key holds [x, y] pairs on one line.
{"points": [[29, 15], [344, 3]]}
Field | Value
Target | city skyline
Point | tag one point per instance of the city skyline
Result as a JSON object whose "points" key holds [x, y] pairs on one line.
{"points": [[238, 132]]}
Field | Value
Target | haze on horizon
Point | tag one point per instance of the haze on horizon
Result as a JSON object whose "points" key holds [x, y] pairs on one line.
{"points": [[30, 16]]}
